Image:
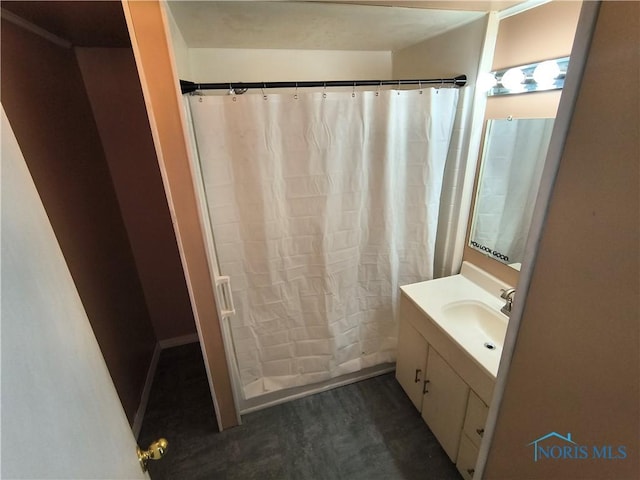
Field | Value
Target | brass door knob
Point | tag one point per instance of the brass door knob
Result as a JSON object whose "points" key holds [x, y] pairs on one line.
{"points": [[155, 452]]}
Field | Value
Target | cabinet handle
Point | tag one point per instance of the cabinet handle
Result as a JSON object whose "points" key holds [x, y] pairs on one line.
{"points": [[480, 432], [471, 471], [424, 387], [417, 377]]}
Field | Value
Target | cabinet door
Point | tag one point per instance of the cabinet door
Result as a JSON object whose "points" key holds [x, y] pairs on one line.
{"points": [[467, 457], [411, 362], [444, 403], [476, 418]]}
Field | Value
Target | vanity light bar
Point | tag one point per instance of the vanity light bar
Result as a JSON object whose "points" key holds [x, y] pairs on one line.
{"points": [[535, 77]]}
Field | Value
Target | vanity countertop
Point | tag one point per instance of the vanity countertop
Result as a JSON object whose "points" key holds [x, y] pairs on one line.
{"points": [[466, 307]]}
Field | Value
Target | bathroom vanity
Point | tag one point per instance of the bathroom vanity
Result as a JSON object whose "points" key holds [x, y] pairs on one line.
{"points": [[449, 347]]}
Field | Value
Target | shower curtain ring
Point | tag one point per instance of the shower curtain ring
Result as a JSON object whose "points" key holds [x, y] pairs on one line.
{"points": [[353, 90], [324, 94], [420, 86], [296, 94], [398, 87], [378, 89], [264, 95]]}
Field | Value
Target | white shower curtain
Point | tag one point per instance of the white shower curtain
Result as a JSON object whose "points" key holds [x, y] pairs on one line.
{"points": [[321, 205]]}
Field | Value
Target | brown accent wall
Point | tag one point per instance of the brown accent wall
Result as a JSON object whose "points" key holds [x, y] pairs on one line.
{"points": [[541, 33], [43, 95], [114, 90], [576, 366], [149, 38]]}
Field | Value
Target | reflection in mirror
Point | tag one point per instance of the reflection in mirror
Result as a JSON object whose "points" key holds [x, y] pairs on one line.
{"points": [[512, 162]]}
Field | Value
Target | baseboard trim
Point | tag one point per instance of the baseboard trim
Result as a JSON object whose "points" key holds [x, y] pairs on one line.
{"points": [[178, 341], [144, 399]]}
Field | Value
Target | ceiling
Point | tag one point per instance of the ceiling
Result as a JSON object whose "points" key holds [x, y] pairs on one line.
{"points": [[382, 25], [308, 25], [82, 23]]}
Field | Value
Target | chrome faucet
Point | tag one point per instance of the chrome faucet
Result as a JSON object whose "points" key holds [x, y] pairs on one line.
{"points": [[508, 295]]}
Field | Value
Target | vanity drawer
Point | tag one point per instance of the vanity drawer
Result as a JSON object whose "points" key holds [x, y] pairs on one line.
{"points": [[467, 456], [475, 419]]}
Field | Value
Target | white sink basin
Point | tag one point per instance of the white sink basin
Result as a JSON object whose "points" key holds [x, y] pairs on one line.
{"points": [[466, 307], [486, 324]]}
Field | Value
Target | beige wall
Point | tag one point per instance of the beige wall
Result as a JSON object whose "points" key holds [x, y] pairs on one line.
{"points": [[113, 87], [452, 53], [46, 103], [537, 34], [210, 65], [576, 363], [180, 49]]}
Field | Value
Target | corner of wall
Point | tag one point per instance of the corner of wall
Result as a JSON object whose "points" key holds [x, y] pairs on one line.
{"points": [[457, 193], [179, 46]]}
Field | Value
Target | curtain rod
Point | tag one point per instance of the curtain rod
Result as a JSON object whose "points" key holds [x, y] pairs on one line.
{"points": [[188, 87]]}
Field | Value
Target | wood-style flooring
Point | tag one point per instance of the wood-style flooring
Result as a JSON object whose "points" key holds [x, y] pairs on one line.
{"points": [[365, 431]]}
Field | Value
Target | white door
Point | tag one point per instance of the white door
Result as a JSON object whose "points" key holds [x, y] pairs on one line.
{"points": [[61, 416]]}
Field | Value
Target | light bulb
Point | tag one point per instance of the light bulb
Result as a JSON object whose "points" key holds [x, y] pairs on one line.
{"points": [[546, 73], [486, 81], [512, 79]]}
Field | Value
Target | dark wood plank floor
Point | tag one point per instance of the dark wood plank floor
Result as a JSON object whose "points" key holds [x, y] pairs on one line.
{"points": [[368, 430]]}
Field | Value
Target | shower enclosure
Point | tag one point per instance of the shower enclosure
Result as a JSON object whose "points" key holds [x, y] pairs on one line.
{"points": [[317, 207]]}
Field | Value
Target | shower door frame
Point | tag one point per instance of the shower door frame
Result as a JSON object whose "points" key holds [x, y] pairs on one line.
{"points": [[221, 283], [223, 297]]}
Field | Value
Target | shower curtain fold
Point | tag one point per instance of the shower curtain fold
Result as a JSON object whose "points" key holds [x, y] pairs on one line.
{"points": [[321, 207]]}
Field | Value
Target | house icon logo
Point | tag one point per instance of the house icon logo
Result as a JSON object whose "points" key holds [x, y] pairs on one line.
{"points": [[537, 448], [554, 446]]}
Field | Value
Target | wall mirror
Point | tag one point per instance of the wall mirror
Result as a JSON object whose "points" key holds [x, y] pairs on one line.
{"points": [[513, 157]]}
